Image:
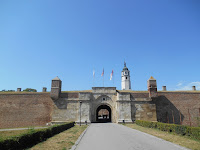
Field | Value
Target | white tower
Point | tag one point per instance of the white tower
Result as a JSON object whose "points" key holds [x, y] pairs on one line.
{"points": [[126, 82]]}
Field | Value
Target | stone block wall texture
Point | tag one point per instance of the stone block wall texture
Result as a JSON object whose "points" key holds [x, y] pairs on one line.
{"points": [[25, 109], [33, 109], [145, 111], [177, 104]]}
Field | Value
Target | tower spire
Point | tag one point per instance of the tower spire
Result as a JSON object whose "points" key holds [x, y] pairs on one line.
{"points": [[124, 63]]}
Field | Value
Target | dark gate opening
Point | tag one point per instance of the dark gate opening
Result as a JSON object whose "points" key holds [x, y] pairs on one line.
{"points": [[103, 114]]}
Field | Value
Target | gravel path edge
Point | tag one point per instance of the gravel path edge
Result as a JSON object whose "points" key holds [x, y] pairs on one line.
{"points": [[79, 139]]}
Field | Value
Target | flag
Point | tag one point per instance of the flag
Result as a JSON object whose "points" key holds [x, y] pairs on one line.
{"points": [[93, 73], [111, 75], [102, 72]]}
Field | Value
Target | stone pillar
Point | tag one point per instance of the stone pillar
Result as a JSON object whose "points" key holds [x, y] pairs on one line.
{"points": [[44, 89], [152, 87], [123, 108], [164, 88], [19, 89], [55, 88], [193, 88]]}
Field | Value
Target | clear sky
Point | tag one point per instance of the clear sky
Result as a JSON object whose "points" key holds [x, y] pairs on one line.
{"points": [[42, 39]]}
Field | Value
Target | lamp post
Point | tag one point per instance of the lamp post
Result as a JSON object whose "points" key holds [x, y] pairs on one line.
{"points": [[80, 111]]}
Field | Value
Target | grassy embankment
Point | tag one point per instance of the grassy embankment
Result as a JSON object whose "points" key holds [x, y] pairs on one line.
{"points": [[6, 134], [62, 141], [184, 141]]}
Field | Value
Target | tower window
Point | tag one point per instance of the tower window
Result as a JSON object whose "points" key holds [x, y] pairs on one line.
{"points": [[126, 77]]}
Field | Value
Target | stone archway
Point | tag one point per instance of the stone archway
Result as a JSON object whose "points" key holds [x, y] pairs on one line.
{"points": [[103, 114]]}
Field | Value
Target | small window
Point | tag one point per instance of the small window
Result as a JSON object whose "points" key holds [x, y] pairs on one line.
{"points": [[104, 98], [126, 77]]}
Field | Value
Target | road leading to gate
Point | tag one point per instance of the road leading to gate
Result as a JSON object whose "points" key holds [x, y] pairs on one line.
{"points": [[111, 136]]}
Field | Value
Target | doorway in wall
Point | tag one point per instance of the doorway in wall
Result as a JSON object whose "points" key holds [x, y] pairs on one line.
{"points": [[103, 114]]}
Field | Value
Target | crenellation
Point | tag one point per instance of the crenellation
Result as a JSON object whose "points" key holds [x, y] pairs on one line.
{"points": [[19, 89], [164, 88], [193, 88], [44, 89]]}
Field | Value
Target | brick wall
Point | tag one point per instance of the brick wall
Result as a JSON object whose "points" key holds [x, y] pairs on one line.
{"points": [[140, 95], [177, 104], [25, 109], [69, 95]]}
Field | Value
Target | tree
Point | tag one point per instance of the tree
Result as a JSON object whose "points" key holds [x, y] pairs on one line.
{"points": [[29, 90]]}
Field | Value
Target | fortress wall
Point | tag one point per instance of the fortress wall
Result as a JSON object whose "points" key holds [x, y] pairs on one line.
{"points": [[144, 111], [69, 95], [176, 104], [67, 107], [25, 109], [65, 111], [140, 95]]}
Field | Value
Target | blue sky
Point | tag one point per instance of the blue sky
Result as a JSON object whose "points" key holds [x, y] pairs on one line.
{"points": [[40, 40]]}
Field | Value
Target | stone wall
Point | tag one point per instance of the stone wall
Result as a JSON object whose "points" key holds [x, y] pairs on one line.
{"points": [[177, 104], [66, 107], [25, 109], [135, 106], [19, 109]]}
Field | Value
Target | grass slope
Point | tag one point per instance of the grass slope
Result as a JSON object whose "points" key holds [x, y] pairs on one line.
{"points": [[7, 134], [171, 137], [62, 141]]}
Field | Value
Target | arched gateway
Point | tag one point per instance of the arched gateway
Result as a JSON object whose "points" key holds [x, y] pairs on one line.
{"points": [[103, 114]]}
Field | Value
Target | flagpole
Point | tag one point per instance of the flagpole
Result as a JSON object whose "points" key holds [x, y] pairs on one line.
{"points": [[112, 76], [113, 80], [103, 80], [93, 76], [93, 82], [103, 76]]}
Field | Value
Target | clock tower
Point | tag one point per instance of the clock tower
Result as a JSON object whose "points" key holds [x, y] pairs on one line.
{"points": [[126, 82]]}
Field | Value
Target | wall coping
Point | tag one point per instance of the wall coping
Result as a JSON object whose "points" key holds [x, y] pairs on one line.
{"points": [[186, 92], [24, 93]]}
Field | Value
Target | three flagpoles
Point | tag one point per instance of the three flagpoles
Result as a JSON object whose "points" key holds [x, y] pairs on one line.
{"points": [[102, 75]]}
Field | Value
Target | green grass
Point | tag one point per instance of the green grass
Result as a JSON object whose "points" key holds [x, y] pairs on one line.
{"points": [[184, 141], [62, 141], [28, 127], [7, 134]]}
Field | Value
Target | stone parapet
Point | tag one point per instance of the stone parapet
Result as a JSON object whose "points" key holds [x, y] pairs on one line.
{"points": [[123, 96], [104, 90]]}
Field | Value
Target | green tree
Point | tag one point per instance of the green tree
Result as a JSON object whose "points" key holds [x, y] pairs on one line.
{"points": [[30, 90]]}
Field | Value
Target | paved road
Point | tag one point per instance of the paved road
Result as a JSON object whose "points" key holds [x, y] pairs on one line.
{"points": [[111, 136]]}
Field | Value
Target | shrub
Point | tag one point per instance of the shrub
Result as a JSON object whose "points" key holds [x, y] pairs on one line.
{"points": [[178, 129], [32, 137]]}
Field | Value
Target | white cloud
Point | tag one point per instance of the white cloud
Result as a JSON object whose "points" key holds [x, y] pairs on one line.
{"points": [[180, 83], [187, 87]]}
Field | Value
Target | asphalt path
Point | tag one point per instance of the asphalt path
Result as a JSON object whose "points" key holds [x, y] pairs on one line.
{"points": [[111, 136]]}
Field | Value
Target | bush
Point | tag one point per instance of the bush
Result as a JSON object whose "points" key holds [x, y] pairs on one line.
{"points": [[29, 90], [33, 137], [178, 129]]}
